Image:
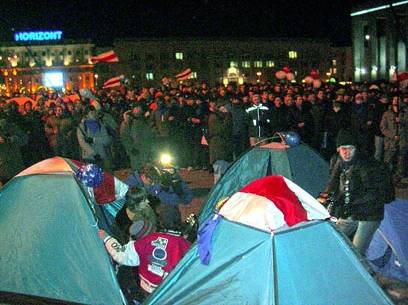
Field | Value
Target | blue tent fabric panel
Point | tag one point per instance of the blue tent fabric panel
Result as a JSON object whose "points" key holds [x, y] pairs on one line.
{"points": [[311, 173], [279, 163], [391, 261], [240, 271], [249, 167], [50, 245], [316, 266]]}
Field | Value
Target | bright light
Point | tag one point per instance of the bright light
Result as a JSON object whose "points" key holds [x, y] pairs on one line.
{"points": [[165, 159], [378, 8], [53, 79], [367, 37], [258, 73], [363, 71], [96, 76]]}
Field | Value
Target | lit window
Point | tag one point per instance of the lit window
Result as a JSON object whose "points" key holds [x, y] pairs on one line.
{"points": [[258, 64], [270, 64], [246, 64], [334, 62], [292, 54], [233, 64], [334, 70], [149, 76], [179, 56], [193, 75]]}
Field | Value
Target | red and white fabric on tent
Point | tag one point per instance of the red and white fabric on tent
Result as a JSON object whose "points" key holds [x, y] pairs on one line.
{"points": [[272, 203]]}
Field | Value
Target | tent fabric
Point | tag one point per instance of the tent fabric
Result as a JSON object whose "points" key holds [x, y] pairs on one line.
{"points": [[388, 250], [49, 242], [301, 164], [308, 264]]}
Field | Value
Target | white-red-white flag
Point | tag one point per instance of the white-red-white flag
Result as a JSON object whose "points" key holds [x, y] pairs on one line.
{"points": [[113, 82], [108, 57], [184, 74], [272, 203]]}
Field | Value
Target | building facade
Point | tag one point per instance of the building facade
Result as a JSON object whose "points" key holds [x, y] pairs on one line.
{"points": [[29, 64], [146, 61], [379, 35]]}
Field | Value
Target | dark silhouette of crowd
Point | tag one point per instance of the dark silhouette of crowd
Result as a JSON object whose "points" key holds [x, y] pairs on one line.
{"points": [[202, 126]]}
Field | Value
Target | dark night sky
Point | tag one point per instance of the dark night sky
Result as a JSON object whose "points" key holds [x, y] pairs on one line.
{"points": [[103, 21]]}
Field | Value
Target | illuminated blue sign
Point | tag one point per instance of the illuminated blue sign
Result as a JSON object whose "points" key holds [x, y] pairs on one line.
{"points": [[38, 36]]}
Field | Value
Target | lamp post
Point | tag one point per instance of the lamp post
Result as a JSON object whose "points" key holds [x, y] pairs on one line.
{"points": [[96, 76]]}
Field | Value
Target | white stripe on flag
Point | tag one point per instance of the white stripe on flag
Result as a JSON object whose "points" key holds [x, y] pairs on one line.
{"points": [[113, 82], [184, 75], [108, 57], [253, 210]]}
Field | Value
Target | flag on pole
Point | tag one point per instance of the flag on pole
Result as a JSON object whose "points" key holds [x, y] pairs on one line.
{"points": [[184, 75], [108, 57], [113, 82]]}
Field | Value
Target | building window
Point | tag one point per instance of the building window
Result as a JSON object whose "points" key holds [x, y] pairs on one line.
{"points": [[270, 64], [258, 64], [246, 64], [334, 62], [292, 54], [233, 64], [179, 56], [193, 75], [149, 76]]}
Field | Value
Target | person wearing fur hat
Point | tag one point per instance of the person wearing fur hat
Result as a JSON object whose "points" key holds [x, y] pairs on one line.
{"points": [[155, 254], [360, 188]]}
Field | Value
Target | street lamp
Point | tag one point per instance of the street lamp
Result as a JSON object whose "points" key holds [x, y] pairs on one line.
{"points": [[96, 80]]}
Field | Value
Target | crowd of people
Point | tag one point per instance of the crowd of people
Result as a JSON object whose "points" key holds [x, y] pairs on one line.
{"points": [[203, 127]]}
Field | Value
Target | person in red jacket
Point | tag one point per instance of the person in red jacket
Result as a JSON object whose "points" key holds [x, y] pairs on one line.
{"points": [[155, 254]]}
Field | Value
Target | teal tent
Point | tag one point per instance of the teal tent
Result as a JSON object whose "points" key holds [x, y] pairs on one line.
{"points": [[256, 258], [49, 239], [300, 163]]}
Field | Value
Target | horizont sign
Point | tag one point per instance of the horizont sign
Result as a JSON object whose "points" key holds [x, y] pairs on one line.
{"points": [[38, 36]]}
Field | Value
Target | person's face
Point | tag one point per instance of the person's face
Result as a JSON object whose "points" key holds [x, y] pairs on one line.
{"points": [[146, 180], [27, 107], [320, 95], [255, 99], [58, 111], [347, 152], [299, 101], [395, 101], [277, 102]]}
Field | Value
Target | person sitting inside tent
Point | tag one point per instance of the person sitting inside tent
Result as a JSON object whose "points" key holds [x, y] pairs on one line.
{"points": [[167, 186], [360, 188], [155, 254]]}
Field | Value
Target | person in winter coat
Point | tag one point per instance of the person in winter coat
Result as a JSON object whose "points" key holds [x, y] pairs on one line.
{"points": [[259, 119], [138, 137], [360, 187], [219, 129], [12, 138], [394, 127], [239, 127], [94, 140]]}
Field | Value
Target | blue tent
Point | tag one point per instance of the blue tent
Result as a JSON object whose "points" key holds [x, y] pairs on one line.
{"points": [[388, 251], [300, 163], [49, 241], [308, 262]]}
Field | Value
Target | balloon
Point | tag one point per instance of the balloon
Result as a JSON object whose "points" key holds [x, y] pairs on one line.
{"points": [[280, 74], [308, 80], [314, 74], [290, 76], [90, 174], [317, 83], [292, 138], [286, 69]]}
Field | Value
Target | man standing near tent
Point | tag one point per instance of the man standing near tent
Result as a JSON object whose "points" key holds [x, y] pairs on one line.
{"points": [[361, 187]]}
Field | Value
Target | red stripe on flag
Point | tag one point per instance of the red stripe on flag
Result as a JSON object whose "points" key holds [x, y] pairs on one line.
{"points": [[113, 82], [108, 57], [276, 190]]}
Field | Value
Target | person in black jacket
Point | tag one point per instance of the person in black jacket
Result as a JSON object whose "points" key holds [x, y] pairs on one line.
{"points": [[360, 188]]}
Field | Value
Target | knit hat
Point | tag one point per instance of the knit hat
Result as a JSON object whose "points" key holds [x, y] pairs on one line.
{"points": [[346, 137], [140, 229]]}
